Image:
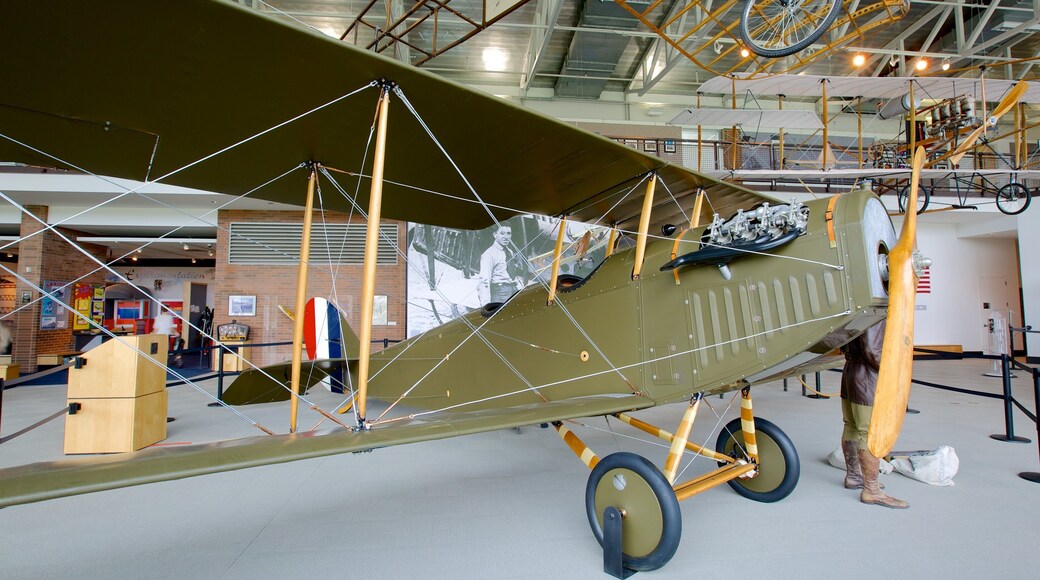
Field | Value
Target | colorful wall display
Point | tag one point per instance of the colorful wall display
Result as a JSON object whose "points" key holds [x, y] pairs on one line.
{"points": [[88, 300], [52, 310]]}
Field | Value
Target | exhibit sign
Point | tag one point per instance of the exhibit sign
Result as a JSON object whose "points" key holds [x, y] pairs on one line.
{"points": [[52, 306]]}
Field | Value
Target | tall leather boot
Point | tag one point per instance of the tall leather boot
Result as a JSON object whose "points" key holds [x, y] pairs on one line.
{"points": [[853, 476], [872, 493]]}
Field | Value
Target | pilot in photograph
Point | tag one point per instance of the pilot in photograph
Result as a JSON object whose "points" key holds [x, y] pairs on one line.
{"points": [[498, 280]]}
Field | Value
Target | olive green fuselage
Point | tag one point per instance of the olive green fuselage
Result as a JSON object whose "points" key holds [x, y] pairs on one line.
{"points": [[665, 340]]}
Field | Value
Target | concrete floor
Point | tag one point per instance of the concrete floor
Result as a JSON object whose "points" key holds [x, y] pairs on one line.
{"points": [[510, 505]]}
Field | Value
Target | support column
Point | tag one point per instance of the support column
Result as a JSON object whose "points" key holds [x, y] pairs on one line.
{"points": [[368, 281], [780, 107], [46, 257], [554, 278], [301, 302], [611, 241], [644, 225], [30, 266], [826, 146], [699, 152], [912, 137], [859, 129]]}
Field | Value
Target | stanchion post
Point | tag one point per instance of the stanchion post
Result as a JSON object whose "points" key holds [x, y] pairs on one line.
{"points": [[1009, 420], [815, 395], [1033, 475], [220, 376]]}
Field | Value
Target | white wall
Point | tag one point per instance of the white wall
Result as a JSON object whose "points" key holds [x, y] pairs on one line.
{"points": [[1029, 242], [952, 311]]}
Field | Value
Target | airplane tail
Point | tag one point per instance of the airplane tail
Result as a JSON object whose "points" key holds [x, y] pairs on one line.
{"points": [[326, 332], [348, 339]]}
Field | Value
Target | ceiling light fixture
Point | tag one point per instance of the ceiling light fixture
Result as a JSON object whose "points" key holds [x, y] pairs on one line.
{"points": [[185, 247], [495, 59], [921, 64], [859, 59], [946, 64], [211, 253], [744, 52], [134, 258], [893, 62], [717, 47], [193, 260]]}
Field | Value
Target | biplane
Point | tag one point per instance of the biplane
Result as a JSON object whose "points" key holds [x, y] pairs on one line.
{"points": [[951, 114], [218, 97]]}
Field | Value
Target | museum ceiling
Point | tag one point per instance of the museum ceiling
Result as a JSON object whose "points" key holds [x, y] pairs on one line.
{"points": [[584, 49]]}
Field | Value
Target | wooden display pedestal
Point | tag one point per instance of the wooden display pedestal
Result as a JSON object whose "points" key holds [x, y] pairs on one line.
{"points": [[117, 397], [233, 364], [115, 425], [10, 371]]}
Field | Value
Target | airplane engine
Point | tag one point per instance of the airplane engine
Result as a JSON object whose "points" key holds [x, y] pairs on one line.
{"points": [[878, 236]]}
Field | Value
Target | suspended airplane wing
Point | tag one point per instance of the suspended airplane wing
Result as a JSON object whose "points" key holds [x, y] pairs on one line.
{"points": [[152, 90]]}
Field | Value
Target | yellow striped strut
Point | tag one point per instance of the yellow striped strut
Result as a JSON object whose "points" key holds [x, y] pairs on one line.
{"points": [[554, 279], [578, 446], [747, 424], [644, 225], [682, 435], [665, 435], [713, 479]]}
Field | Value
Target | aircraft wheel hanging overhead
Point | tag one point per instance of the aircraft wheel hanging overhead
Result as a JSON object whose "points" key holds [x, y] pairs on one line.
{"points": [[1013, 198], [924, 195], [775, 28], [779, 467], [651, 524]]}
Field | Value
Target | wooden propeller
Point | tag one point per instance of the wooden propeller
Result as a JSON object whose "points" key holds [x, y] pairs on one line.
{"points": [[1005, 105], [897, 354]]}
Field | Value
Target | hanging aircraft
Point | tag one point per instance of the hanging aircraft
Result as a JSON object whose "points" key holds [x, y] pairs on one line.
{"points": [[215, 96]]}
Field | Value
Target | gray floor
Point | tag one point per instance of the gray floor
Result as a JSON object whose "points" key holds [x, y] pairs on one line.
{"points": [[510, 505]]}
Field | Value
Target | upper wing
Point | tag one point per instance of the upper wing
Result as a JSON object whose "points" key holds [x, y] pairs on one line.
{"points": [[143, 89], [42, 481]]}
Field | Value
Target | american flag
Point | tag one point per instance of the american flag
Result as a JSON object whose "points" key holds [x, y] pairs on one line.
{"points": [[924, 283]]}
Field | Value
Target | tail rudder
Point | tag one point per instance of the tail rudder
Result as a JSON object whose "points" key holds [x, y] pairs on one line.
{"points": [[349, 340]]}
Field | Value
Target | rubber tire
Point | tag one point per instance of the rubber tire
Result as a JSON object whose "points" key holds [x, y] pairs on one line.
{"points": [[772, 443], [671, 525], [745, 34], [923, 193], [1006, 192]]}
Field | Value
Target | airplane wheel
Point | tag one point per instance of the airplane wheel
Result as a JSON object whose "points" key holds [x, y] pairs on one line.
{"points": [[775, 28], [652, 524], [1013, 198], [924, 195], [779, 467]]}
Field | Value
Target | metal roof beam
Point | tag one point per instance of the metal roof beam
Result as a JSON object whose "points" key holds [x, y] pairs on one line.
{"points": [[980, 26], [547, 14], [661, 49], [897, 42]]}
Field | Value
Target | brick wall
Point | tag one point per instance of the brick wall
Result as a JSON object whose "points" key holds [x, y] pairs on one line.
{"points": [[275, 285], [47, 257]]}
